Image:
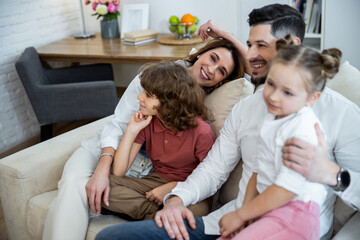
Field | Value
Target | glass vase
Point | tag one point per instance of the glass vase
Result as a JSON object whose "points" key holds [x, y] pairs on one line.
{"points": [[109, 28]]}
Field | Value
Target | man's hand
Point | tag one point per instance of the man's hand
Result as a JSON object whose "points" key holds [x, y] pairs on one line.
{"points": [[231, 224], [210, 29], [172, 216], [157, 194], [310, 161]]}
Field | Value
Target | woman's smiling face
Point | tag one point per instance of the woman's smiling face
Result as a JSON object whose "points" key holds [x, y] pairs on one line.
{"points": [[213, 66]]}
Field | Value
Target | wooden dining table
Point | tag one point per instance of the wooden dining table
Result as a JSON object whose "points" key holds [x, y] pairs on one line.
{"points": [[99, 50]]}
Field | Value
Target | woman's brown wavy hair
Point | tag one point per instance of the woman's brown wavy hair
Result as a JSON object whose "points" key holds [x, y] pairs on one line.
{"points": [[239, 63], [181, 98]]}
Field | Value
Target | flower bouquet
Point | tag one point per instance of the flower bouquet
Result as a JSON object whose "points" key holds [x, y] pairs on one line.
{"points": [[105, 8], [108, 9]]}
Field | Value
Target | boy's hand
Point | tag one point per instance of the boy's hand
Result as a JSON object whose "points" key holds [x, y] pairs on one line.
{"points": [[157, 194], [231, 224], [138, 121]]}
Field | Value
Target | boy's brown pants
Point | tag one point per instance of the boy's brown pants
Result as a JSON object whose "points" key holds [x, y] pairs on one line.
{"points": [[127, 196]]}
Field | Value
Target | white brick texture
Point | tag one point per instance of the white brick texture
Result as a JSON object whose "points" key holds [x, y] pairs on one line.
{"points": [[23, 24]]}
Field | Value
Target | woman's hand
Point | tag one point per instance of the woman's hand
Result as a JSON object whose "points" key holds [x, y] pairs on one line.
{"points": [[157, 194], [138, 121], [231, 224], [98, 186], [210, 29]]}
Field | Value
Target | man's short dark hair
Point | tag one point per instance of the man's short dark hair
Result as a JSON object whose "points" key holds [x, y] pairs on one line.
{"points": [[283, 19]]}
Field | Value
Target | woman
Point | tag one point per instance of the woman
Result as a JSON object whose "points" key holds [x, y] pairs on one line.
{"points": [[219, 61]]}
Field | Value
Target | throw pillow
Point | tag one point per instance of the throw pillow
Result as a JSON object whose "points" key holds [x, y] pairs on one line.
{"points": [[221, 100], [347, 82]]}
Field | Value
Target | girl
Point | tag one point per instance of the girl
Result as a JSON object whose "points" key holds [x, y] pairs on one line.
{"points": [[287, 205], [171, 121]]}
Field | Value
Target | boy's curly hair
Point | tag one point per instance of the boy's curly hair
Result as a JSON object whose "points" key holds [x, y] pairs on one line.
{"points": [[181, 98]]}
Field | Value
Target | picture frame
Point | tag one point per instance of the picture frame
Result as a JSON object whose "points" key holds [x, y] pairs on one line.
{"points": [[134, 17]]}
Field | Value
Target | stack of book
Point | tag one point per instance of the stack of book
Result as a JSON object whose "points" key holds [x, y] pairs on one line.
{"points": [[140, 37]]}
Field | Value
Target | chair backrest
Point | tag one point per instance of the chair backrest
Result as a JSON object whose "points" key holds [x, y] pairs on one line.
{"points": [[32, 75]]}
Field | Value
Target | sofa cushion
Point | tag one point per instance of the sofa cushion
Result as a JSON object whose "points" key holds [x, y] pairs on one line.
{"points": [[347, 82], [221, 100], [36, 214]]}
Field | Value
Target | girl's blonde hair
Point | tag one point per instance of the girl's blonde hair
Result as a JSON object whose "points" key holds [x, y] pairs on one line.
{"points": [[181, 98], [318, 66]]}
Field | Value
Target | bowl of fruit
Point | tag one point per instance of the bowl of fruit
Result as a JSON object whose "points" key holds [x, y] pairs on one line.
{"points": [[183, 28]]}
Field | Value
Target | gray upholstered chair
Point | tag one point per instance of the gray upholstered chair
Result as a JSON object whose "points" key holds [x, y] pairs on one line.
{"points": [[66, 94]]}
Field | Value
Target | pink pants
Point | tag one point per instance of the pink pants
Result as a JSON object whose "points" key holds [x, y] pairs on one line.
{"points": [[295, 220]]}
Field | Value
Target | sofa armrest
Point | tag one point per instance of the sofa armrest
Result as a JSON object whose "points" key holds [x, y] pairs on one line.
{"points": [[350, 230], [36, 170]]}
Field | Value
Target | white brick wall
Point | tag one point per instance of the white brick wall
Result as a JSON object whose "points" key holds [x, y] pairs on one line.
{"points": [[22, 24]]}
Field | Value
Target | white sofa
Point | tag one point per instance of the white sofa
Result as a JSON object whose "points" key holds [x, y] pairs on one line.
{"points": [[28, 178]]}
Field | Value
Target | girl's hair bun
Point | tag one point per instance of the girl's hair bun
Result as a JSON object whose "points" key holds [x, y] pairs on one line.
{"points": [[284, 42], [331, 62]]}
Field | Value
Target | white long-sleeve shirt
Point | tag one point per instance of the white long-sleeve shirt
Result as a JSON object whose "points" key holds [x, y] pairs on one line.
{"points": [[112, 132], [237, 140]]}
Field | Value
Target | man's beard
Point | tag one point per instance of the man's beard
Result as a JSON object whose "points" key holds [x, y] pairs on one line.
{"points": [[258, 80]]}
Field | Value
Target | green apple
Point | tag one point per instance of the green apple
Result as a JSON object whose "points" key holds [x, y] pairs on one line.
{"points": [[172, 28], [173, 20], [193, 28], [196, 20], [180, 29]]}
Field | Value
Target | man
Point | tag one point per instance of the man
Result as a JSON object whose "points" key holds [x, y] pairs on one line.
{"points": [[237, 140]]}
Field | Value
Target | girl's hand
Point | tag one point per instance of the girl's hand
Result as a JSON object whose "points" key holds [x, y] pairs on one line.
{"points": [[231, 224], [138, 121], [157, 194]]}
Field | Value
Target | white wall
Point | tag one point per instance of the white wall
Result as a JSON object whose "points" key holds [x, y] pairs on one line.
{"points": [[342, 29], [224, 13], [23, 24]]}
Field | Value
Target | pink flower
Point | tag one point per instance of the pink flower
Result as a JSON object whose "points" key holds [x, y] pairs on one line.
{"points": [[112, 8], [94, 5], [116, 2], [87, 2]]}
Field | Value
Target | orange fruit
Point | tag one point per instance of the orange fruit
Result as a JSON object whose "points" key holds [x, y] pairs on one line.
{"points": [[187, 20]]}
